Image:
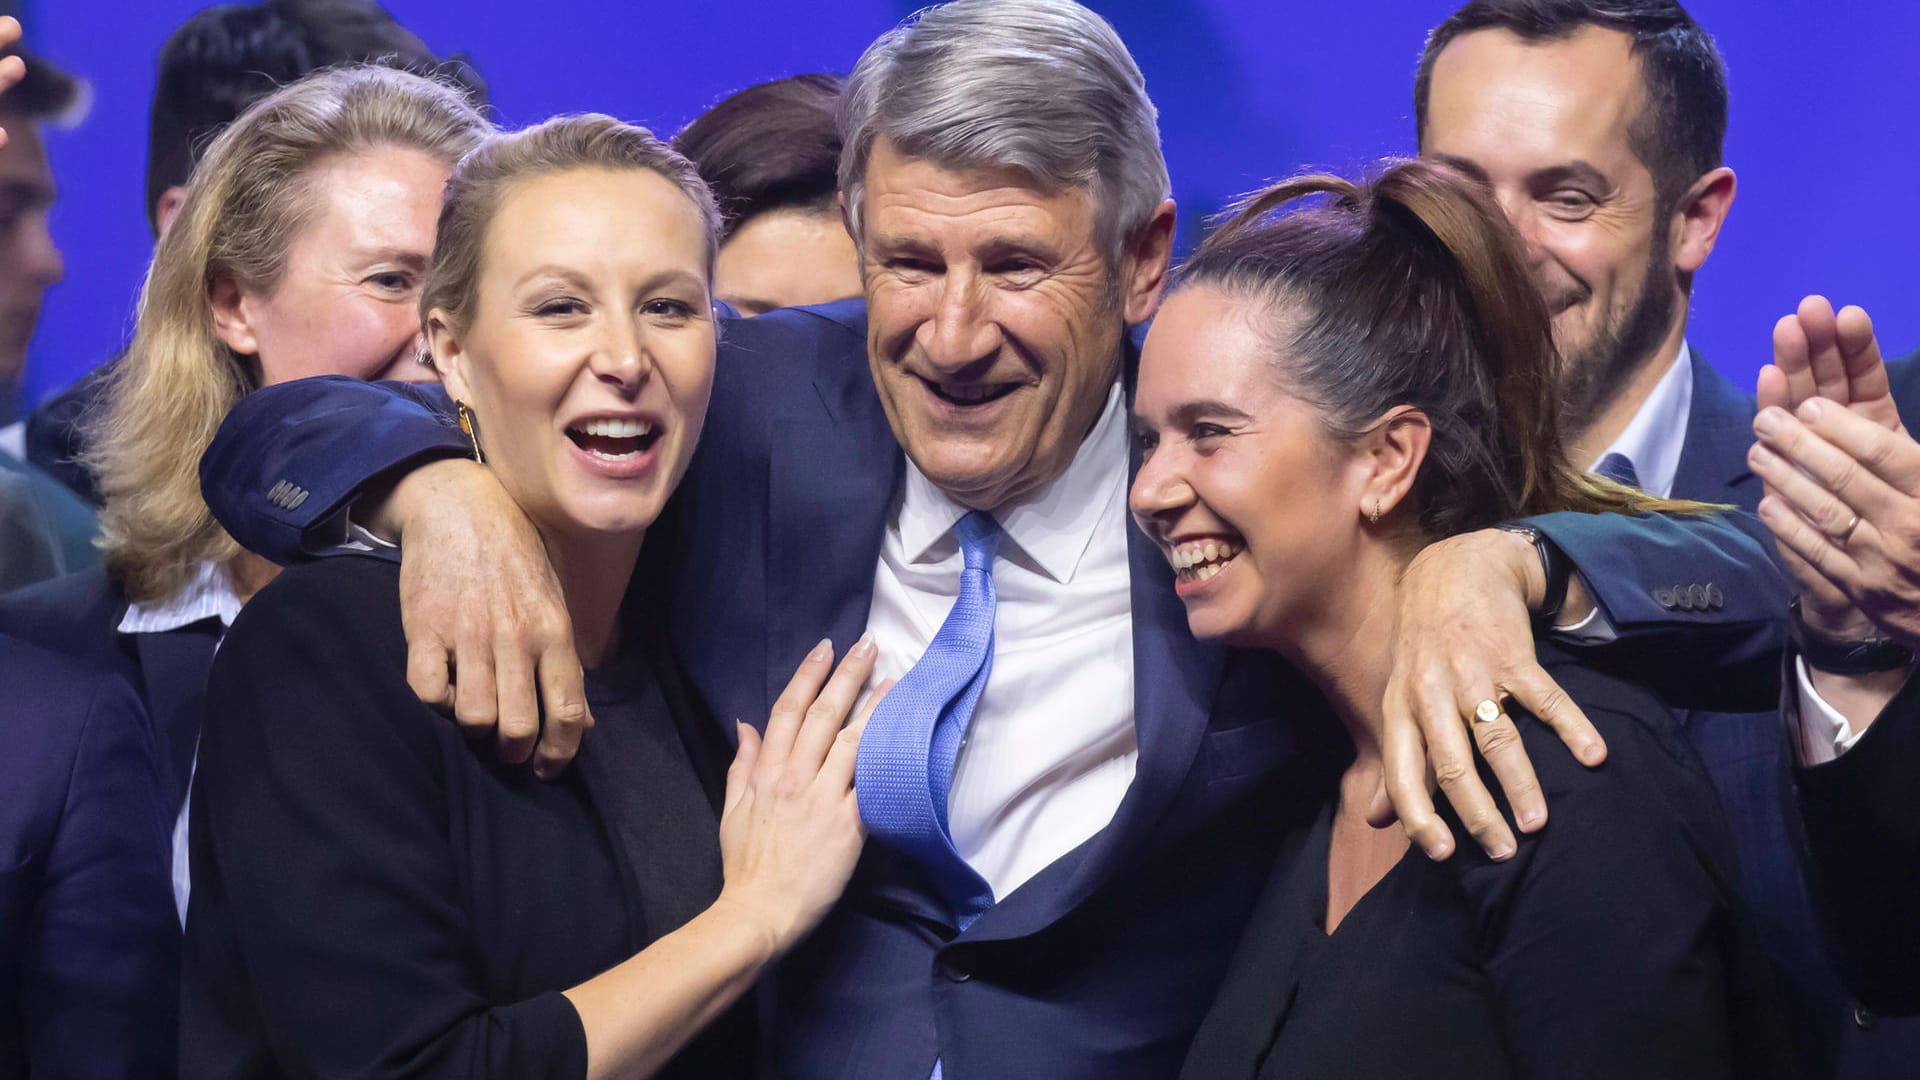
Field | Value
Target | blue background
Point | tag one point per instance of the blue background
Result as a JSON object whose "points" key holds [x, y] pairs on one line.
{"points": [[1823, 132]]}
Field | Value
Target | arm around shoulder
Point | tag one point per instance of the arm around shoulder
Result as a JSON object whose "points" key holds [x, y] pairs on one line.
{"points": [[290, 459]]}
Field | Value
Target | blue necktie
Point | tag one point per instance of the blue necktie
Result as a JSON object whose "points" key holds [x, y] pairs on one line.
{"points": [[905, 767], [1618, 468]]}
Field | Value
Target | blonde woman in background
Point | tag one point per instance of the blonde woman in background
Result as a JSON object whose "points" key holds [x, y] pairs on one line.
{"points": [[300, 251]]}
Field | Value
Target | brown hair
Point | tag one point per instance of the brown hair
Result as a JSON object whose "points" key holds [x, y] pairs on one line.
{"points": [[250, 197], [483, 179], [1413, 289], [1682, 122], [775, 146]]}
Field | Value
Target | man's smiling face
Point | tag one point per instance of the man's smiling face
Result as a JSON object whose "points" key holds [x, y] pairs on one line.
{"points": [[994, 324]]}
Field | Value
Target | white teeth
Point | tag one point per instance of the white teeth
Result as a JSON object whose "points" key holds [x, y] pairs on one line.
{"points": [[610, 428], [1201, 560]]}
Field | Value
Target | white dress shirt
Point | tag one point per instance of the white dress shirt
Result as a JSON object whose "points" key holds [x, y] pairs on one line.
{"points": [[1051, 749], [209, 595], [1654, 437]]}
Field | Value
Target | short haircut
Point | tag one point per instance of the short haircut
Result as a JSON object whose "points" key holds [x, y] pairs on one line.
{"points": [[1683, 122], [227, 57], [775, 146], [45, 93], [1042, 86]]}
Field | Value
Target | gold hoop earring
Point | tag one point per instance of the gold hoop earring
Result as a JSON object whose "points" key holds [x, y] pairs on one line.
{"points": [[472, 428]]}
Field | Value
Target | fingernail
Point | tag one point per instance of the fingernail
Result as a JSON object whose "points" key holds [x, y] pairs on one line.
{"points": [[1440, 852], [1500, 852], [863, 648], [1759, 456], [821, 652], [1768, 422], [1530, 819], [1810, 412]]}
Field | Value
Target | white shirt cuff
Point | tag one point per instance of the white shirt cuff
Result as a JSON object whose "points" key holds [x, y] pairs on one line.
{"points": [[1823, 733], [1595, 629]]}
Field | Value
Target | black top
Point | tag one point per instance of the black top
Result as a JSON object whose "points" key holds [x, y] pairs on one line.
{"points": [[1862, 814], [1608, 946], [373, 895]]}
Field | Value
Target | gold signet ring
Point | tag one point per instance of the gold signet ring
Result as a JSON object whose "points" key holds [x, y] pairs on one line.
{"points": [[1486, 712]]}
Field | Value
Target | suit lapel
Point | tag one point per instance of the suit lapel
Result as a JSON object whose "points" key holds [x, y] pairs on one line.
{"points": [[173, 676], [834, 469], [1713, 459]]}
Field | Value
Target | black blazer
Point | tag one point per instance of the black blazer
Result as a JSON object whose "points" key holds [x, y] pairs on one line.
{"points": [[1862, 814], [1608, 946], [376, 896]]}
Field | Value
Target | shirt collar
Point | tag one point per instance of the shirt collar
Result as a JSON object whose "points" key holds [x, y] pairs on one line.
{"points": [[1055, 525], [208, 596], [1654, 437]]}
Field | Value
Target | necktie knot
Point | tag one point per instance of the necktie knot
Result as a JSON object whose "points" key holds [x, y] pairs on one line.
{"points": [[979, 537], [1619, 468]]}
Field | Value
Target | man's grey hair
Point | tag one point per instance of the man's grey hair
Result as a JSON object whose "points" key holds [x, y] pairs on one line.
{"points": [[1043, 86]]}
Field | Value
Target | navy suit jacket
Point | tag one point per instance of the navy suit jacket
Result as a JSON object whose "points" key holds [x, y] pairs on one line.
{"points": [[1100, 966], [79, 615], [89, 942]]}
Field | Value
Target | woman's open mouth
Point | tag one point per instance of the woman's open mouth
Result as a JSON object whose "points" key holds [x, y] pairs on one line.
{"points": [[614, 439]]}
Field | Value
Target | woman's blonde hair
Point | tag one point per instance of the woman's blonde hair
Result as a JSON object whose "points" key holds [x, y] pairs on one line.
{"points": [[248, 199], [482, 180]]}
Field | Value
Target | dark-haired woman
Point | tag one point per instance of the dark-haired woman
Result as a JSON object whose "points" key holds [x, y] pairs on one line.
{"points": [[771, 153], [1326, 392]]}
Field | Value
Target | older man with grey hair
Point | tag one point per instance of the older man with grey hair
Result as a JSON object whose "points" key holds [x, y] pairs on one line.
{"points": [[1073, 803]]}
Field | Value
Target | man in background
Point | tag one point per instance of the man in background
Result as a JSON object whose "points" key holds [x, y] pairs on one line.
{"points": [[1599, 127], [44, 530]]}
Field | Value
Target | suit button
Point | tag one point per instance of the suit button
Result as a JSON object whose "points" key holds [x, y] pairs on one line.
{"points": [[1864, 1019], [1697, 597], [953, 972], [1663, 597], [1681, 599], [1715, 598]]}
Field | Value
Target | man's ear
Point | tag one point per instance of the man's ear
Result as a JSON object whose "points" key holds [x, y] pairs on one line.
{"points": [[1395, 449], [166, 210], [1149, 258], [449, 359], [1697, 218], [232, 317]]}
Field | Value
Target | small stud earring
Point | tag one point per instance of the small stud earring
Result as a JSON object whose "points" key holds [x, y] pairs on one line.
{"points": [[472, 428]]}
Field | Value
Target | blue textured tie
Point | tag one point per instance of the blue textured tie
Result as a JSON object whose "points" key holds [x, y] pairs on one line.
{"points": [[1618, 468], [905, 767]]}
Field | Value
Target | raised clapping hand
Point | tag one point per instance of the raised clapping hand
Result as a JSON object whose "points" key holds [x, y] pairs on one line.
{"points": [[1842, 475], [12, 68], [790, 828], [1464, 635]]}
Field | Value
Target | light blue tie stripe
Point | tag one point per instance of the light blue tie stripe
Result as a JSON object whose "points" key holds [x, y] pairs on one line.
{"points": [[904, 772]]}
